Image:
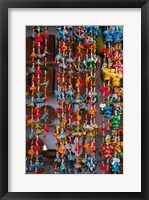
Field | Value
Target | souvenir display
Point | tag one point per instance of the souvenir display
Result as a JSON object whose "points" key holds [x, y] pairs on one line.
{"points": [[87, 98]]}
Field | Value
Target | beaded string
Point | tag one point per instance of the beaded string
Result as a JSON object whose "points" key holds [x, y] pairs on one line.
{"points": [[32, 97]]}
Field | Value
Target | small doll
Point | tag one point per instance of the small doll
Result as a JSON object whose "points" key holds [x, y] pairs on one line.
{"points": [[45, 116], [91, 165], [107, 151], [38, 165], [78, 117], [39, 100], [108, 111], [58, 95], [115, 121], [71, 93], [79, 83], [106, 74], [63, 167], [116, 80], [115, 164]]}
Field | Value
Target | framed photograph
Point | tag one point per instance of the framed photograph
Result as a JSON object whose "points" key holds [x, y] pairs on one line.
{"points": [[74, 96]]}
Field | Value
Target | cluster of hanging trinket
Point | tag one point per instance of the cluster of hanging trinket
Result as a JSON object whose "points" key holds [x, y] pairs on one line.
{"points": [[111, 107], [39, 113], [75, 137]]}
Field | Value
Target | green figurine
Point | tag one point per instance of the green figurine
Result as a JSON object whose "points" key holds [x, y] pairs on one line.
{"points": [[115, 121]]}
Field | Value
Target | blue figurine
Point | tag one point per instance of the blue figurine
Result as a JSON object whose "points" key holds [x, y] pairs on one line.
{"points": [[106, 32], [62, 135], [117, 39], [109, 38], [92, 29], [71, 95], [96, 31], [59, 95], [41, 95], [112, 32], [69, 60], [63, 168], [45, 83], [59, 57], [40, 100], [45, 116], [91, 165], [61, 32], [38, 165], [108, 111], [78, 38], [115, 164]]}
